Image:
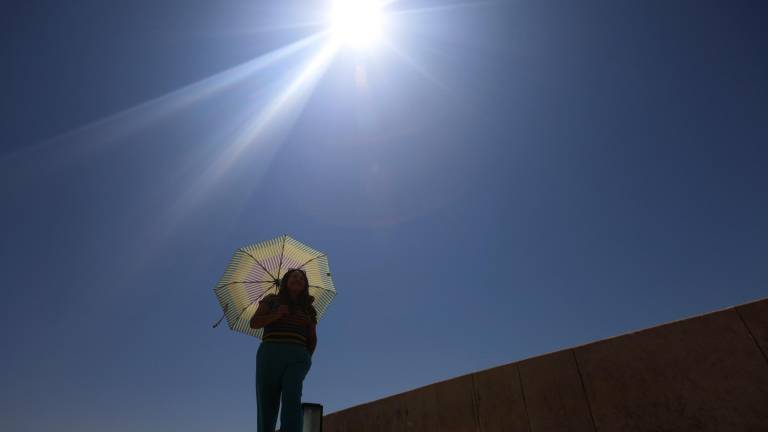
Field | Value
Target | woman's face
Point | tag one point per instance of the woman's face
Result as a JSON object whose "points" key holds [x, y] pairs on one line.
{"points": [[295, 283]]}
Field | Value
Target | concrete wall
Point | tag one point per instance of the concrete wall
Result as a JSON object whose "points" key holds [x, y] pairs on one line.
{"points": [[706, 373]]}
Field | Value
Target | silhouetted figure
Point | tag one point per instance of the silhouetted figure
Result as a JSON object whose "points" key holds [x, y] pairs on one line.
{"points": [[284, 356]]}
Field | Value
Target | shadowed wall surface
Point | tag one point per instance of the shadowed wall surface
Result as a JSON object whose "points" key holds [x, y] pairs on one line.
{"points": [[704, 373]]}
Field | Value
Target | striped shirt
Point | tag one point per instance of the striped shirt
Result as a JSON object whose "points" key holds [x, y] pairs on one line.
{"points": [[296, 327]]}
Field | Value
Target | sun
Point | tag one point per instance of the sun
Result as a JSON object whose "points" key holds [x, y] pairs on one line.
{"points": [[357, 23]]}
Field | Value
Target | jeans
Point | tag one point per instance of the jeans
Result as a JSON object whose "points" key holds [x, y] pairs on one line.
{"points": [[280, 368]]}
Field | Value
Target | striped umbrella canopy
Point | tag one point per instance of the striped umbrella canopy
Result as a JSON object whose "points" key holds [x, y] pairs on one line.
{"points": [[255, 271]]}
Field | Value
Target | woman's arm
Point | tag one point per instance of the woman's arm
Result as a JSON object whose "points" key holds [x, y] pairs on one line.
{"points": [[312, 337], [263, 316], [312, 327]]}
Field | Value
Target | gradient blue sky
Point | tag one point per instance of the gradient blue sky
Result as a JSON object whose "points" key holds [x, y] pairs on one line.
{"points": [[519, 177]]}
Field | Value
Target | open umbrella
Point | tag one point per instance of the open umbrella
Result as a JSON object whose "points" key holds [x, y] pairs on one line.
{"points": [[255, 271]]}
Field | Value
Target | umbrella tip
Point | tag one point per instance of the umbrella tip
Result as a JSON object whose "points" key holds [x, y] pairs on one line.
{"points": [[226, 308]]}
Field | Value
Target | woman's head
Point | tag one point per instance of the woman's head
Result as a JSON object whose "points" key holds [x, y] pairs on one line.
{"points": [[294, 283], [294, 289]]}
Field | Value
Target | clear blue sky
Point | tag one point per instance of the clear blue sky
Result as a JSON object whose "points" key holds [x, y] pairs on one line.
{"points": [[524, 176]]}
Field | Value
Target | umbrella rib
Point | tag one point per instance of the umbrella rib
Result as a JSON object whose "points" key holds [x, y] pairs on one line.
{"points": [[246, 307], [264, 294], [280, 265], [241, 282], [241, 312], [311, 259], [259, 263]]}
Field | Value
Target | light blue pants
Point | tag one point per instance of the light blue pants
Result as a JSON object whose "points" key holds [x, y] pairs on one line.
{"points": [[280, 368]]}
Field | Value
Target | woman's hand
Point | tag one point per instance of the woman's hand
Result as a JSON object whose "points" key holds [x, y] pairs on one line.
{"points": [[265, 315], [283, 310]]}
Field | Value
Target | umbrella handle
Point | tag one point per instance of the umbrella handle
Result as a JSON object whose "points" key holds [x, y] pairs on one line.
{"points": [[226, 306]]}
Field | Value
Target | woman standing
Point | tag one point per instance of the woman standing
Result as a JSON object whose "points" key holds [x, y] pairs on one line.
{"points": [[285, 354]]}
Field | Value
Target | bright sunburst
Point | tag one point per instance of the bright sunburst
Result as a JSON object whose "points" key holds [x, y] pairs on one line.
{"points": [[357, 23]]}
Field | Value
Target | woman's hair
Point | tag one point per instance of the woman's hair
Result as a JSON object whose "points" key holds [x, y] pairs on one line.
{"points": [[303, 301]]}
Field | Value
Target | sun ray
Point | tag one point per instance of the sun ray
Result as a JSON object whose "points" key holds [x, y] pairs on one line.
{"points": [[317, 24], [262, 132], [441, 8], [415, 65], [120, 124]]}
